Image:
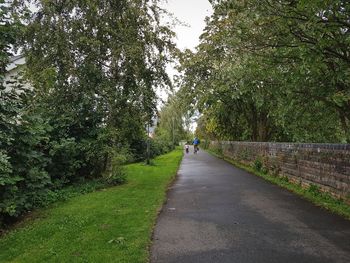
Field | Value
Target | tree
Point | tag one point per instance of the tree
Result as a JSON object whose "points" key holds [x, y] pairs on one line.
{"points": [[95, 66], [171, 127], [258, 73]]}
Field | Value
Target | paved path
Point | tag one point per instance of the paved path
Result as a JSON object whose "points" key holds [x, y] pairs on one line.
{"points": [[217, 213]]}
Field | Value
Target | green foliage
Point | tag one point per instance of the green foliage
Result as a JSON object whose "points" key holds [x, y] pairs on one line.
{"points": [[23, 136], [314, 189], [160, 145], [116, 176], [258, 165], [115, 173], [205, 143], [285, 179], [272, 71], [24, 178], [95, 70], [173, 122], [6, 169], [94, 67], [68, 192]]}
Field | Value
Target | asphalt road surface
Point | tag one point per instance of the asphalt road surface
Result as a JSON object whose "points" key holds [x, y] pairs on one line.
{"points": [[218, 213]]}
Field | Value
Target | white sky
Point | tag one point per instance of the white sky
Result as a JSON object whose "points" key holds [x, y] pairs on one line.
{"points": [[193, 13]]}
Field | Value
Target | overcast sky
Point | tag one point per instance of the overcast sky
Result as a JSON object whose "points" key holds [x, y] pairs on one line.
{"points": [[193, 13]]}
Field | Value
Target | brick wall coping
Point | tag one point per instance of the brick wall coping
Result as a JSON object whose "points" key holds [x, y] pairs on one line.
{"points": [[328, 146]]}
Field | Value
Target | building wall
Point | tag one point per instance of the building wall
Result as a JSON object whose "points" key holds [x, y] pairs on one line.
{"points": [[324, 165], [14, 73]]}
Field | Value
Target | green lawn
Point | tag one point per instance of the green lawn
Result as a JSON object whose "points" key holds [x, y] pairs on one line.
{"points": [[111, 225]]}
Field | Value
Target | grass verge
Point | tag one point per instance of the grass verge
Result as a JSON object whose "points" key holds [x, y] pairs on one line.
{"points": [[111, 225], [311, 193]]}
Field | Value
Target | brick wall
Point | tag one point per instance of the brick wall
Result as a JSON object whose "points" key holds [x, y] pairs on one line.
{"points": [[324, 165]]}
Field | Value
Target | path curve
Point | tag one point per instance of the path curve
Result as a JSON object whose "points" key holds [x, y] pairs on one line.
{"points": [[218, 213]]}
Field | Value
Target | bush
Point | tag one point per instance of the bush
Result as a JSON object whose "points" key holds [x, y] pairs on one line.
{"points": [[66, 161], [314, 189], [159, 147], [264, 170], [204, 144], [284, 179], [115, 173], [24, 178], [257, 165], [36, 164], [117, 176], [68, 192], [41, 156]]}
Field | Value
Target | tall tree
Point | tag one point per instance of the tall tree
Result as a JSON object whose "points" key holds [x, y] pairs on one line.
{"points": [[95, 66], [264, 68], [172, 121]]}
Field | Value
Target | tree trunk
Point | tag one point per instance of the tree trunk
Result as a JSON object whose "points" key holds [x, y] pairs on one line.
{"points": [[263, 127]]}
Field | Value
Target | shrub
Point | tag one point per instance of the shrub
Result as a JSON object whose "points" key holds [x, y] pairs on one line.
{"points": [[264, 170], [314, 189], [257, 165], [66, 161], [284, 179], [36, 164], [115, 173], [159, 146], [204, 144], [23, 178], [116, 176]]}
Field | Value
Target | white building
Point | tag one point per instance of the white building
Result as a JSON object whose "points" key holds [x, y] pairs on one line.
{"points": [[14, 72]]}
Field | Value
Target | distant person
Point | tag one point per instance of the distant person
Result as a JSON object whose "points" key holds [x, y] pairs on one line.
{"points": [[195, 143], [187, 147]]}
